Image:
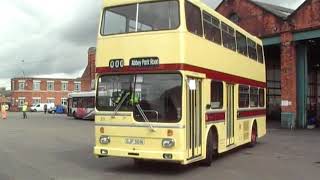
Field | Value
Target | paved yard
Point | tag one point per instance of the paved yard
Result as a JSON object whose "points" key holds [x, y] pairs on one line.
{"points": [[56, 147]]}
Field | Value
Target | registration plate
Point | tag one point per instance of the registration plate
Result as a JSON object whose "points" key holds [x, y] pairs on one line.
{"points": [[135, 141]]}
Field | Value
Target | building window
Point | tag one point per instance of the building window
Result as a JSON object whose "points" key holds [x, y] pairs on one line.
{"points": [[216, 95], [50, 85], [211, 26], [228, 36], [254, 97], [234, 17], [36, 85], [51, 100], [64, 101], [243, 96], [21, 86], [260, 53], [193, 17], [261, 98], [21, 101], [64, 86], [36, 100], [77, 86], [252, 49], [242, 44]]}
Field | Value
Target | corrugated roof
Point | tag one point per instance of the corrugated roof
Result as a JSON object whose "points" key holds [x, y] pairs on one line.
{"points": [[279, 11]]}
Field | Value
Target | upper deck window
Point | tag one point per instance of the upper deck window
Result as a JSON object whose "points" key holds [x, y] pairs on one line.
{"points": [[211, 26], [193, 17], [242, 44], [260, 53], [252, 50], [151, 16], [228, 36]]}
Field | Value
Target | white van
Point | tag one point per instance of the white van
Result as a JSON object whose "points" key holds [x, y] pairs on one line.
{"points": [[40, 107]]}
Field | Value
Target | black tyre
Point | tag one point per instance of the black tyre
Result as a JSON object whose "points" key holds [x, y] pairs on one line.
{"points": [[74, 115], [254, 135], [210, 151]]}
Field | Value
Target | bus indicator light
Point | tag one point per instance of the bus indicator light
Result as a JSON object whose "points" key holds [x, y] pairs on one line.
{"points": [[170, 132], [101, 130]]}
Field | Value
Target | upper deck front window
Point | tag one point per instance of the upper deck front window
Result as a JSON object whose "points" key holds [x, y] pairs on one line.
{"points": [[151, 16]]}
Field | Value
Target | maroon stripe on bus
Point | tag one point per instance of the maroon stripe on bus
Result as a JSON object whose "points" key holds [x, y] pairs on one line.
{"points": [[215, 116], [251, 113], [216, 75]]}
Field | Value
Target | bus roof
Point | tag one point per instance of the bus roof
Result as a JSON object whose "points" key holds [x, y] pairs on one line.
{"points": [[82, 94]]}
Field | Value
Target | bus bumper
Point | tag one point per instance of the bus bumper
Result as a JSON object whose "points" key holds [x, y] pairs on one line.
{"points": [[138, 154]]}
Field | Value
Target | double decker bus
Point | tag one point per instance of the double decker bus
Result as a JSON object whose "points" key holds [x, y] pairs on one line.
{"points": [[81, 105], [176, 82]]}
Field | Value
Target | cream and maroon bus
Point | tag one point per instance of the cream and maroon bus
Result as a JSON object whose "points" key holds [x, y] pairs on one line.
{"points": [[176, 82]]}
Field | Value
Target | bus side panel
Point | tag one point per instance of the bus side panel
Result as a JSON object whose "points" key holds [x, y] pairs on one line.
{"points": [[262, 127]]}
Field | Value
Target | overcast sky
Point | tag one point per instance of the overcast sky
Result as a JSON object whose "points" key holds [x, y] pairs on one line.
{"points": [[50, 38]]}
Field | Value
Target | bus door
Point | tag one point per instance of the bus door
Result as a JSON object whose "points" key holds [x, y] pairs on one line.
{"points": [[230, 114], [193, 122]]}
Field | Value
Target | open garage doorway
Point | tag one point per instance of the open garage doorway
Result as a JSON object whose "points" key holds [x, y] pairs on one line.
{"points": [[313, 84], [272, 56]]}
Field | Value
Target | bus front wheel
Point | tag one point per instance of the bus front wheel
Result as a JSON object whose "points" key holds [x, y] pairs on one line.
{"points": [[210, 150]]}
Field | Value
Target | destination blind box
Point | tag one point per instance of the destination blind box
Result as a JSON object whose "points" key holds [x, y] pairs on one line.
{"points": [[144, 62]]}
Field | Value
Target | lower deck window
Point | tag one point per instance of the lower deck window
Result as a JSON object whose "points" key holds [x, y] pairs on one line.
{"points": [[243, 96], [261, 98], [254, 96], [216, 95]]}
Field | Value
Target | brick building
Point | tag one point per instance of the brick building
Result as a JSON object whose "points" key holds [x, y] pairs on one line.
{"points": [[291, 41], [51, 90]]}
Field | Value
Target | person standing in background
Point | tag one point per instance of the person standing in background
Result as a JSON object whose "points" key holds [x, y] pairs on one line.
{"points": [[45, 108], [4, 111], [24, 110]]}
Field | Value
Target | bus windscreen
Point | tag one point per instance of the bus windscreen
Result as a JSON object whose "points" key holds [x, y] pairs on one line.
{"points": [[158, 95], [140, 17]]}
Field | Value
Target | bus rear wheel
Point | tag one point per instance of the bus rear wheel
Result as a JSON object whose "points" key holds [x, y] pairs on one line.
{"points": [[254, 135], [74, 115]]}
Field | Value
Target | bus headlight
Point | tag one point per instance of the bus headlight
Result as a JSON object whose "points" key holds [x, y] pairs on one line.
{"points": [[168, 143], [104, 140]]}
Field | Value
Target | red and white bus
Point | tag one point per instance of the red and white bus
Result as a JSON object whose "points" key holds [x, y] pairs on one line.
{"points": [[81, 105]]}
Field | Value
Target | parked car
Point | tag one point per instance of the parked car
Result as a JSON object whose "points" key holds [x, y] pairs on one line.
{"points": [[40, 107], [52, 110], [59, 109]]}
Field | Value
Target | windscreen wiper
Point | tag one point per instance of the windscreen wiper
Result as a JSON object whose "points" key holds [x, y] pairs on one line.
{"points": [[145, 117], [120, 104]]}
